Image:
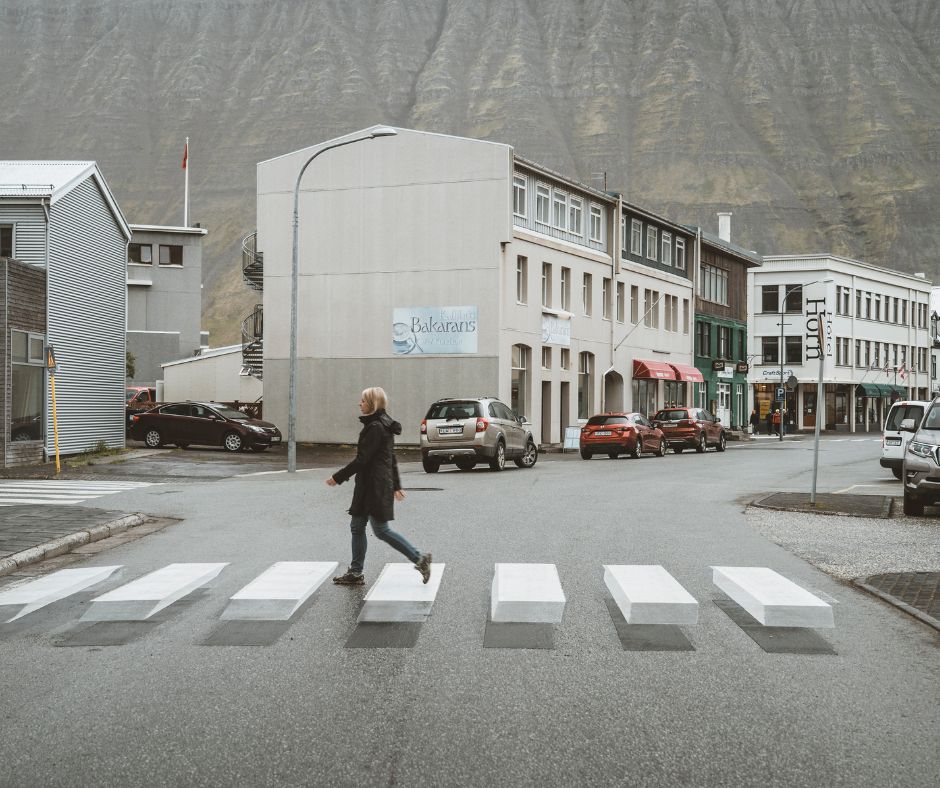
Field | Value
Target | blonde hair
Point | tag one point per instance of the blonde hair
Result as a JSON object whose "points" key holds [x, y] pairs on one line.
{"points": [[375, 399]]}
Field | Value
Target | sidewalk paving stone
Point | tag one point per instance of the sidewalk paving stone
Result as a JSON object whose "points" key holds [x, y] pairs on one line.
{"points": [[918, 593]]}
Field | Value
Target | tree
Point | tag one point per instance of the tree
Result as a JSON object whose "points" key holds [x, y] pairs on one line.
{"points": [[131, 370]]}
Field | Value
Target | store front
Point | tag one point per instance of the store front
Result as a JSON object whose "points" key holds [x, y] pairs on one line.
{"points": [[725, 384], [766, 402], [647, 375], [872, 402]]}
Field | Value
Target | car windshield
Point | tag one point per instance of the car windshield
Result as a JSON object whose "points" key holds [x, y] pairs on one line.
{"points": [[596, 421], [230, 413], [671, 415], [901, 412], [455, 410], [932, 419], [130, 394]]}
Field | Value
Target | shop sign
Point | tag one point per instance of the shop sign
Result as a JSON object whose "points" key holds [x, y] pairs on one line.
{"points": [[741, 368], [718, 365], [441, 330], [725, 373], [818, 336], [556, 330], [774, 374]]}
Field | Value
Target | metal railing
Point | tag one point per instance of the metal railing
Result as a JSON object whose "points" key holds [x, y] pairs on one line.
{"points": [[253, 342], [252, 262]]}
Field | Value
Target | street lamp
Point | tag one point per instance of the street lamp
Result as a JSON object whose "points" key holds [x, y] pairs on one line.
{"points": [[378, 131]]}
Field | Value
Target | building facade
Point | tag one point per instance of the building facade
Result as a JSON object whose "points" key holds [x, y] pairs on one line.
{"points": [[876, 345], [164, 297], [441, 266]]}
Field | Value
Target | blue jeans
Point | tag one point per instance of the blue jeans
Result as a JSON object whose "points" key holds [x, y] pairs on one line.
{"points": [[358, 527]]}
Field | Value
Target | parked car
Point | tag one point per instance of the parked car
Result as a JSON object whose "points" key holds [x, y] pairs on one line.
{"points": [[203, 423], [26, 428], [920, 471], [690, 428], [894, 440], [468, 430], [614, 434], [137, 400]]}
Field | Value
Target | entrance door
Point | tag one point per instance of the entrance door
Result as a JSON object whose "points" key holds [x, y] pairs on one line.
{"points": [[724, 404], [547, 412], [564, 404]]}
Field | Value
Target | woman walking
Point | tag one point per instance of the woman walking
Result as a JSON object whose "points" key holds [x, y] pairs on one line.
{"points": [[376, 490]]}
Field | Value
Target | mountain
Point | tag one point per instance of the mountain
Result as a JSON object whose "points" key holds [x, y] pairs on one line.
{"points": [[816, 122]]}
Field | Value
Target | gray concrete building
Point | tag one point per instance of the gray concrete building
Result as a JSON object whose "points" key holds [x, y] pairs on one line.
{"points": [[164, 297]]}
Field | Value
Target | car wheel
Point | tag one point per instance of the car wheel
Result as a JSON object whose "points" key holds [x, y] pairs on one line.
{"points": [[586, 455], [233, 441], [430, 466], [895, 471], [153, 439], [529, 456], [700, 446], [912, 507], [499, 460], [635, 450], [721, 442], [662, 449], [465, 465]]}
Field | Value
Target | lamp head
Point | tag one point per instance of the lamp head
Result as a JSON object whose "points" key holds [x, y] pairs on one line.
{"points": [[382, 131]]}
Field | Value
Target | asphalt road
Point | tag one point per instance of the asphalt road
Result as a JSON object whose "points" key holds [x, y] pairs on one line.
{"points": [[165, 708]]}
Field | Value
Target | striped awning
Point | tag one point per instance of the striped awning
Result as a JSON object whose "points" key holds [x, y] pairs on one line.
{"points": [[656, 370], [689, 373]]}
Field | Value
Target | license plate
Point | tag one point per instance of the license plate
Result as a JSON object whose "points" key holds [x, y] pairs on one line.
{"points": [[603, 433], [892, 441], [450, 430]]}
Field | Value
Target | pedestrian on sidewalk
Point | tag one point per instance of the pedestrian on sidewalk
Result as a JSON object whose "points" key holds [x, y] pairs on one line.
{"points": [[377, 488], [755, 422], [777, 423], [769, 418]]}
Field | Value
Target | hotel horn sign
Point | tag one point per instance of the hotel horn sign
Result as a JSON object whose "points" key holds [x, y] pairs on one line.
{"points": [[437, 330]]}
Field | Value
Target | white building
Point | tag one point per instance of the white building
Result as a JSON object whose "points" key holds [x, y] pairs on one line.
{"points": [[440, 266], [877, 339]]}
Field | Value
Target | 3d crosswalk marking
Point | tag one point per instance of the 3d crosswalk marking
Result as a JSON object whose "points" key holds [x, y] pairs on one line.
{"points": [[648, 594], [42, 591], [61, 492], [526, 593], [771, 598], [399, 594], [277, 592], [141, 598]]}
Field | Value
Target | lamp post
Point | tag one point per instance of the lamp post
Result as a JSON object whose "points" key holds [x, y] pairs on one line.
{"points": [[378, 131]]}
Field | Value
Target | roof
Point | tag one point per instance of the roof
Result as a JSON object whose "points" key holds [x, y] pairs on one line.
{"points": [[54, 180], [822, 256], [207, 353], [161, 228], [726, 246], [532, 165]]}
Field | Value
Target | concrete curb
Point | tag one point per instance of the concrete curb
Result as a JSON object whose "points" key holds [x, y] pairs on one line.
{"points": [[65, 544], [920, 615], [760, 503]]}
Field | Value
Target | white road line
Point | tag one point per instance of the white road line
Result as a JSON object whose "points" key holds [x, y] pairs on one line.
{"points": [[59, 492]]}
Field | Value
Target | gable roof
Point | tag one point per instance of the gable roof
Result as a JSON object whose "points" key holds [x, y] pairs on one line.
{"points": [[54, 180]]}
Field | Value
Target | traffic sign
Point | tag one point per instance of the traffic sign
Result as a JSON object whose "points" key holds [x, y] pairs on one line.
{"points": [[792, 383], [780, 392]]}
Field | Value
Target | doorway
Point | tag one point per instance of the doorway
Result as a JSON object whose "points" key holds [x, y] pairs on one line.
{"points": [[564, 404], [723, 411], [547, 412]]}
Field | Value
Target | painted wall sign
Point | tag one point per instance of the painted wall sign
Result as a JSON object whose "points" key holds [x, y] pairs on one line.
{"points": [[818, 324], [441, 330], [718, 365], [774, 374], [556, 330]]}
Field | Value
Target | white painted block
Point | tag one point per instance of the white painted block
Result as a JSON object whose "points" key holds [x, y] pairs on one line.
{"points": [[399, 594], [648, 594], [771, 598], [526, 593], [141, 598], [277, 592], [45, 590]]}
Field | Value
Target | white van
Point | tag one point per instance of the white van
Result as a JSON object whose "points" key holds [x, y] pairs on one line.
{"points": [[893, 441]]}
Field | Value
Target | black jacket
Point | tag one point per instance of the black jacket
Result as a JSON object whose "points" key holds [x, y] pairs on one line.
{"points": [[375, 468]]}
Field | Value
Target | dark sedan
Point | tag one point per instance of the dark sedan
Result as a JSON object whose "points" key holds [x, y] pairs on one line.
{"points": [[205, 424]]}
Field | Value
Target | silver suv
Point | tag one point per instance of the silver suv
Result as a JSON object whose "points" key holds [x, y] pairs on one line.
{"points": [[468, 430], [921, 469]]}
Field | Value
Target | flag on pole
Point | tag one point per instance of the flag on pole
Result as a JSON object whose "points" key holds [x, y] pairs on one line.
{"points": [[185, 153], [902, 372]]}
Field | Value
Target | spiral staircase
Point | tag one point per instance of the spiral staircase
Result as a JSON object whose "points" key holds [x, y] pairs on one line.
{"points": [[253, 325]]}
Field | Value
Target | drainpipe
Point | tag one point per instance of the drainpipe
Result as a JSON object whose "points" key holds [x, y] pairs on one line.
{"points": [[695, 287], [46, 204]]}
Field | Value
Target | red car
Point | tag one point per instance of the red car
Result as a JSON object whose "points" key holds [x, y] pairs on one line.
{"points": [[614, 434], [690, 428]]}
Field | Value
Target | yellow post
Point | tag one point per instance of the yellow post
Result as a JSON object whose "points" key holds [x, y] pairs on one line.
{"points": [[51, 366]]}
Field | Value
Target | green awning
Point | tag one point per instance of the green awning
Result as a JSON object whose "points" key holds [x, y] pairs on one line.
{"points": [[869, 390], [894, 388]]}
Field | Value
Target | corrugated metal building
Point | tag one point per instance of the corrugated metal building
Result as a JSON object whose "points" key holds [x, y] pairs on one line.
{"points": [[61, 215]]}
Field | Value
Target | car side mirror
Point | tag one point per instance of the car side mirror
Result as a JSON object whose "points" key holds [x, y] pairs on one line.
{"points": [[520, 419], [907, 425]]}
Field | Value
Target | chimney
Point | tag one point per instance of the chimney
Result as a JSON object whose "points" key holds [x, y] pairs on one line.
{"points": [[724, 226], [920, 275]]}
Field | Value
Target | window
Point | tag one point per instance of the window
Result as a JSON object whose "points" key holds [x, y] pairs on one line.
{"points": [[876, 357], [636, 237], [894, 355], [139, 253], [846, 293], [667, 248], [680, 253], [575, 212], [668, 312], [565, 360], [542, 197], [27, 354], [793, 300], [903, 311], [650, 306], [724, 342], [673, 393], [858, 352], [714, 284], [672, 313], [651, 237], [621, 298], [586, 287], [546, 284], [770, 350], [770, 298], [585, 384], [842, 352], [877, 307], [6, 240], [868, 306], [685, 315], [654, 314], [171, 255], [518, 195], [559, 209], [522, 278], [703, 338], [566, 289], [596, 223], [894, 310], [634, 304], [867, 354], [546, 358], [519, 391], [858, 303], [605, 298]]}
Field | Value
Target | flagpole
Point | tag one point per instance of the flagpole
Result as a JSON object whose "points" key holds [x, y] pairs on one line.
{"points": [[186, 185]]}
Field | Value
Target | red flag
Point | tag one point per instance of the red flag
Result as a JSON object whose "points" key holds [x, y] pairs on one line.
{"points": [[185, 154], [902, 372]]}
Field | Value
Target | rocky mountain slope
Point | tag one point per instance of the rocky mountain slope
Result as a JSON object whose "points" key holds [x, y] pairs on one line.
{"points": [[816, 122]]}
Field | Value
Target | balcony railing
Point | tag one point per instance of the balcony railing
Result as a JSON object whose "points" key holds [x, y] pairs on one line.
{"points": [[253, 342], [252, 262]]}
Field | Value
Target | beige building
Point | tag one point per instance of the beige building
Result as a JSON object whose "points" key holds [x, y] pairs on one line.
{"points": [[441, 266], [215, 375]]}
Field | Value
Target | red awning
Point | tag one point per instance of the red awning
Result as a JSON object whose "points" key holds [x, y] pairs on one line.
{"points": [[685, 372], [657, 370]]}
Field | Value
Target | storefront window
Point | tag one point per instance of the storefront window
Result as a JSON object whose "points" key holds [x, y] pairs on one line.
{"points": [[644, 396], [520, 379], [674, 394], [26, 401], [585, 384]]}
